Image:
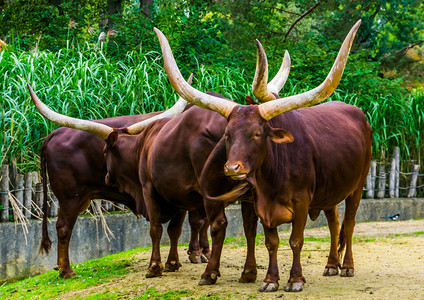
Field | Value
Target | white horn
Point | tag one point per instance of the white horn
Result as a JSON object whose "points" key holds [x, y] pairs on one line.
{"points": [[219, 105], [175, 110], [263, 90], [273, 108], [98, 129]]}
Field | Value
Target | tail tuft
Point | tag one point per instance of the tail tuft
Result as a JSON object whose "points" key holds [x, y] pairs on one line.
{"points": [[45, 246], [342, 241]]}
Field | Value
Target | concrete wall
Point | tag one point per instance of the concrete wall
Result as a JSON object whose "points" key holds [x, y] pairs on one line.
{"points": [[19, 252]]}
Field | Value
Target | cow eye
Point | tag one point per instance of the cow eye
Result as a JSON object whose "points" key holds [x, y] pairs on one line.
{"points": [[258, 134]]}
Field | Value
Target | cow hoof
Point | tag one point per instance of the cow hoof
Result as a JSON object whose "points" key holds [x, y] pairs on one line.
{"points": [[209, 279], [208, 254], [155, 270], [204, 258], [67, 275], [195, 259], [330, 272], [56, 267], [248, 276], [269, 287], [347, 272], [205, 282], [172, 266], [150, 274], [294, 287]]}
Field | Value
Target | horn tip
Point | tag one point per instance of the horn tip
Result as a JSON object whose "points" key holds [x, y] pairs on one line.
{"points": [[157, 31], [190, 79], [357, 24]]}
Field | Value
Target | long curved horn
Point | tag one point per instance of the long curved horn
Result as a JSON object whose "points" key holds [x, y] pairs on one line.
{"points": [[98, 129], [219, 105], [263, 90], [175, 110], [279, 80], [273, 108]]}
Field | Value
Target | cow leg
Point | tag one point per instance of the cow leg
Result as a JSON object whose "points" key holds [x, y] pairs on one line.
{"points": [[155, 266], [174, 232], [218, 223], [272, 241], [204, 241], [250, 224], [333, 262], [64, 226], [352, 204], [196, 224], [296, 281]]}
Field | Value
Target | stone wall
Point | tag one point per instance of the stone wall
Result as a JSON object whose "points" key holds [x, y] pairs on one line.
{"points": [[19, 252]]}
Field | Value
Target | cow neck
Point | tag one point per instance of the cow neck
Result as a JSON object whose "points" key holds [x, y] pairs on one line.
{"points": [[283, 163], [129, 154]]}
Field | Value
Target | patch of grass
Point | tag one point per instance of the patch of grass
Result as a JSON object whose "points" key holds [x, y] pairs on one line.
{"points": [[317, 239], [405, 234], [363, 239], [238, 241], [152, 293], [89, 273]]}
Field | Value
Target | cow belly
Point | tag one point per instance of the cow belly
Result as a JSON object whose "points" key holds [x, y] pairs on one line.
{"points": [[325, 201]]}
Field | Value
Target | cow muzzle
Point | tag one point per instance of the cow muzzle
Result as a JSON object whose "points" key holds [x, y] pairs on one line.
{"points": [[235, 171]]}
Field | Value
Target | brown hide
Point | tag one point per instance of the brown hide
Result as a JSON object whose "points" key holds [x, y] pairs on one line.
{"points": [[75, 163], [77, 168], [330, 152], [305, 160], [170, 155]]}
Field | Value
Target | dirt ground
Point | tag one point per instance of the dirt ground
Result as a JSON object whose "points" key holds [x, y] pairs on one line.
{"points": [[388, 265]]}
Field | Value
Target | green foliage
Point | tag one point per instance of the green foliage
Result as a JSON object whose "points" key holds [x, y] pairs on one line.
{"points": [[80, 76], [90, 273], [87, 84]]}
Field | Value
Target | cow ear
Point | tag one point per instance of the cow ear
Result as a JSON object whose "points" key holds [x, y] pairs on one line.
{"points": [[250, 101], [111, 139], [280, 136]]}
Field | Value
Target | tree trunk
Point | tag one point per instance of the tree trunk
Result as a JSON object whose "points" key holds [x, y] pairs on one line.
{"points": [[113, 7], [146, 7]]}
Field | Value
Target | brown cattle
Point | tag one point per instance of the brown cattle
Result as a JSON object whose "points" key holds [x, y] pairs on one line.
{"points": [[298, 160], [75, 163], [161, 169]]}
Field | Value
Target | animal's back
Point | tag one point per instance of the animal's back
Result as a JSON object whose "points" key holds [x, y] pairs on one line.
{"points": [[341, 138]]}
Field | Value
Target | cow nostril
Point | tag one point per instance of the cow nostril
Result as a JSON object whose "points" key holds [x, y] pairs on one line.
{"points": [[226, 168], [237, 168]]}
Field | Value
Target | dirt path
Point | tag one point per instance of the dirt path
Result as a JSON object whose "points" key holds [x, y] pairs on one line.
{"points": [[388, 265]]}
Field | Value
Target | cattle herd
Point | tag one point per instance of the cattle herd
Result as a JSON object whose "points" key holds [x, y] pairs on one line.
{"points": [[282, 159]]}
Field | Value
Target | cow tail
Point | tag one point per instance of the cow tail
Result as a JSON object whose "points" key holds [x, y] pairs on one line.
{"points": [[46, 243], [342, 241], [230, 196]]}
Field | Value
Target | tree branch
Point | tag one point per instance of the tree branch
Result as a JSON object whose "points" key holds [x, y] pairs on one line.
{"points": [[404, 50], [300, 18]]}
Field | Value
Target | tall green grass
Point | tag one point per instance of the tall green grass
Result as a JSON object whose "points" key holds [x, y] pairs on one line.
{"points": [[86, 83]]}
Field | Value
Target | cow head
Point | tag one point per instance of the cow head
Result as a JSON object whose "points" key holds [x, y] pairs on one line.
{"points": [[246, 142], [248, 130]]}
